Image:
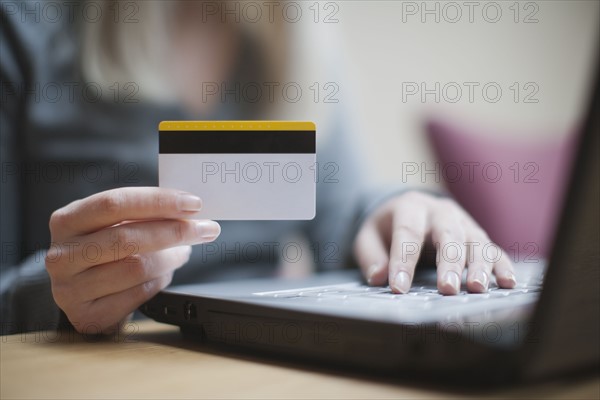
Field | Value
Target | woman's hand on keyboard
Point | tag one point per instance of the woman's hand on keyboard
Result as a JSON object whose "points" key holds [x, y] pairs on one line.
{"points": [[112, 251], [390, 242]]}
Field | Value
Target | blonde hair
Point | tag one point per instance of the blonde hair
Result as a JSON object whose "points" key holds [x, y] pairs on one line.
{"points": [[135, 50], [121, 52], [113, 51]]}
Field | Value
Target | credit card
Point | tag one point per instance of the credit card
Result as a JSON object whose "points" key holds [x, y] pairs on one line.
{"points": [[242, 170]]}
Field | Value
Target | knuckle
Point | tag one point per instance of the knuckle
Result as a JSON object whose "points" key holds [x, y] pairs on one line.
{"points": [[163, 202], [66, 297], [146, 290], [122, 236], [180, 231], [407, 232], [139, 267], [51, 264], [58, 219], [112, 202]]}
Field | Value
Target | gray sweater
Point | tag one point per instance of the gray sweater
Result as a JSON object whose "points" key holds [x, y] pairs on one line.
{"points": [[56, 149]]}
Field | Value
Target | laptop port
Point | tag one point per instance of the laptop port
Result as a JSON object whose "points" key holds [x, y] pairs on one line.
{"points": [[189, 311], [168, 310]]}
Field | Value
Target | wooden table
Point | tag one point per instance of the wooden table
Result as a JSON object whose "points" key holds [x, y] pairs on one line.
{"points": [[152, 360]]}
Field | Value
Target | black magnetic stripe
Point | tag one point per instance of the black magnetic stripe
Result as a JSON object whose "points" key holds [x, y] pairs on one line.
{"points": [[236, 142]]}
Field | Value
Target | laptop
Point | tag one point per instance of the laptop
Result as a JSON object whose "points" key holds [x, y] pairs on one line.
{"points": [[547, 325]]}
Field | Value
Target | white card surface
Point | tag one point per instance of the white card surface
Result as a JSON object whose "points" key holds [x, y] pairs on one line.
{"points": [[242, 170]]}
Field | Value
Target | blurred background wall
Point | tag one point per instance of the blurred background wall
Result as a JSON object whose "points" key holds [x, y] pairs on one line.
{"points": [[377, 52]]}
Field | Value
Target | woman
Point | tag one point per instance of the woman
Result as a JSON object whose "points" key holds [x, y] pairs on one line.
{"points": [[82, 97]]}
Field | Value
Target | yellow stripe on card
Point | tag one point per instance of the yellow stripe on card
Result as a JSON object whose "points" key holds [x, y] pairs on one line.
{"points": [[236, 126]]}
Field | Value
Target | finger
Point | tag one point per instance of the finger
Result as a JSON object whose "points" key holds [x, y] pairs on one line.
{"points": [[371, 254], [106, 312], [448, 234], [126, 240], [408, 235], [504, 271], [478, 267], [108, 208], [103, 280]]}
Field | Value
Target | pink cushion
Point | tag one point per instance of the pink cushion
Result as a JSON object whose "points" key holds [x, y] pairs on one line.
{"points": [[522, 204]]}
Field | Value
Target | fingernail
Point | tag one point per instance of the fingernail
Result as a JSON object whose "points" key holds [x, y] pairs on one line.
{"points": [[189, 202], [482, 279], [402, 282], [372, 270], [452, 280], [208, 230], [513, 280]]}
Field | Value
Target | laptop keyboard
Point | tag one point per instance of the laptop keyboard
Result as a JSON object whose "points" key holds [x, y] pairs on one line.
{"points": [[422, 297]]}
